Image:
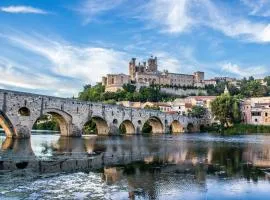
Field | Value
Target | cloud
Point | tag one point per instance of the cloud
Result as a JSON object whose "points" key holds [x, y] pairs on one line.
{"points": [[171, 15], [179, 16], [22, 10], [15, 75], [244, 71], [69, 66], [235, 27], [258, 8], [92, 8], [168, 62]]}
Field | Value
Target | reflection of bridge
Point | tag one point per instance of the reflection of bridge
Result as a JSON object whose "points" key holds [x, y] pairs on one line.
{"points": [[19, 111]]}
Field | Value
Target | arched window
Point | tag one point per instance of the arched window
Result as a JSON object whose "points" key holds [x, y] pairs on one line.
{"points": [[115, 121], [24, 111]]}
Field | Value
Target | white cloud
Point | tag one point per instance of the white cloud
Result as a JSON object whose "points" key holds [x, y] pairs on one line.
{"points": [[70, 65], [16, 75], [178, 16], [234, 26], [258, 7], [22, 10], [168, 62], [91, 8], [172, 15], [257, 71]]}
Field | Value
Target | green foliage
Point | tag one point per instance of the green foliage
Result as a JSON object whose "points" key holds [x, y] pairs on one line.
{"points": [[226, 109], [151, 107], [122, 129], [92, 93], [246, 88], [46, 123], [238, 129], [129, 88], [147, 128], [213, 128], [215, 90], [267, 80], [97, 93], [253, 88], [236, 114], [110, 101], [90, 128], [198, 112]]}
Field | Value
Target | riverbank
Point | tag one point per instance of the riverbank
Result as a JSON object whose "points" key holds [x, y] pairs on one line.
{"points": [[238, 129]]}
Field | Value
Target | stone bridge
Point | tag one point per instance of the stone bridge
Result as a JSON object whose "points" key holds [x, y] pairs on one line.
{"points": [[19, 111]]}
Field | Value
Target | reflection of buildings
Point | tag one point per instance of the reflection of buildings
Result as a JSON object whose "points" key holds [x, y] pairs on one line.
{"points": [[146, 157], [258, 155]]}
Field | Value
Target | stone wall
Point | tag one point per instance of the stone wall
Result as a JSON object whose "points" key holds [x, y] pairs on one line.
{"points": [[19, 111], [182, 92]]}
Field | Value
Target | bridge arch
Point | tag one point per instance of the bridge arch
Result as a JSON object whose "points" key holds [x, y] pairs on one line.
{"points": [[191, 128], [98, 126], [64, 120], [153, 125], [6, 124], [176, 127], [127, 127]]}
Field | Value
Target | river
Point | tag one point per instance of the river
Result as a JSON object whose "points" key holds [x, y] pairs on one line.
{"points": [[187, 166]]}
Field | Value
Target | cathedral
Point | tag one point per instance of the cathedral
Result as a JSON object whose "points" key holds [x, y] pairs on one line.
{"points": [[147, 73]]}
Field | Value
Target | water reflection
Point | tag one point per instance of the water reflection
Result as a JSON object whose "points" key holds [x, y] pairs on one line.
{"points": [[16, 149], [169, 149], [159, 167]]}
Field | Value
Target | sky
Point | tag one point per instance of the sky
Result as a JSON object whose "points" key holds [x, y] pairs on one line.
{"points": [[55, 47]]}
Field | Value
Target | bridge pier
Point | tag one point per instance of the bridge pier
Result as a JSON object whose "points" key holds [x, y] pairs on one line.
{"points": [[21, 132], [19, 111]]}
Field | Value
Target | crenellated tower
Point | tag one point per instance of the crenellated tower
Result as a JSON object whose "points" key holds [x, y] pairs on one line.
{"points": [[152, 64], [132, 69]]}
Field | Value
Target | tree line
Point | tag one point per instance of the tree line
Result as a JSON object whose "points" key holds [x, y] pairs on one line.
{"points": [[129, 93], [245, 88]]}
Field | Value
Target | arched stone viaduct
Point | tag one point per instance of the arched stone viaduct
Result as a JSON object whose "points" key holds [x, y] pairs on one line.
{"points": [[19, 111]]}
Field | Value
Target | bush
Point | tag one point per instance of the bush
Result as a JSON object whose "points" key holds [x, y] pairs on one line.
{"points": [[237, 129]]}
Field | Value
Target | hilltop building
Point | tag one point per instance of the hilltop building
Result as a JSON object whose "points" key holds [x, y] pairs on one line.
{"points": [[147, 73]]}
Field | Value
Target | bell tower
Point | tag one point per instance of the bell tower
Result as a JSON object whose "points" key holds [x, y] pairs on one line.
{"points": [[132, 69], [152, 64]]}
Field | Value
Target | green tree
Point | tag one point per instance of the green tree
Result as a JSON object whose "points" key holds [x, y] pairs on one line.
{"points": [[236, 111], [226, 109], [253, 88], [267, 80], [92, 93], [198, 111], [129, 88]]}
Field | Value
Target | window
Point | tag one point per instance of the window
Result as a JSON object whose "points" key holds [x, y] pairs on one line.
{"points": [[256, 120], [266, 114], [24, 111], [112, 80], [256, 113]]}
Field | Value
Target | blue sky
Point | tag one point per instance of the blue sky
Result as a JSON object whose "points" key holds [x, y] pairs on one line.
{"points": [[56, 46]]}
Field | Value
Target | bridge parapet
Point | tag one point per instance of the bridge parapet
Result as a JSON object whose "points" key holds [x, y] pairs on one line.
{"points": [[19, 111]]}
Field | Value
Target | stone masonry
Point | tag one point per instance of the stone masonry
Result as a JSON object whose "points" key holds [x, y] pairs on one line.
{"points": [[19, 111]]}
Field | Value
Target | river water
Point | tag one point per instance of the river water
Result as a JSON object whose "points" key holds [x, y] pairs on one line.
{"points": [[197, 166]]}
